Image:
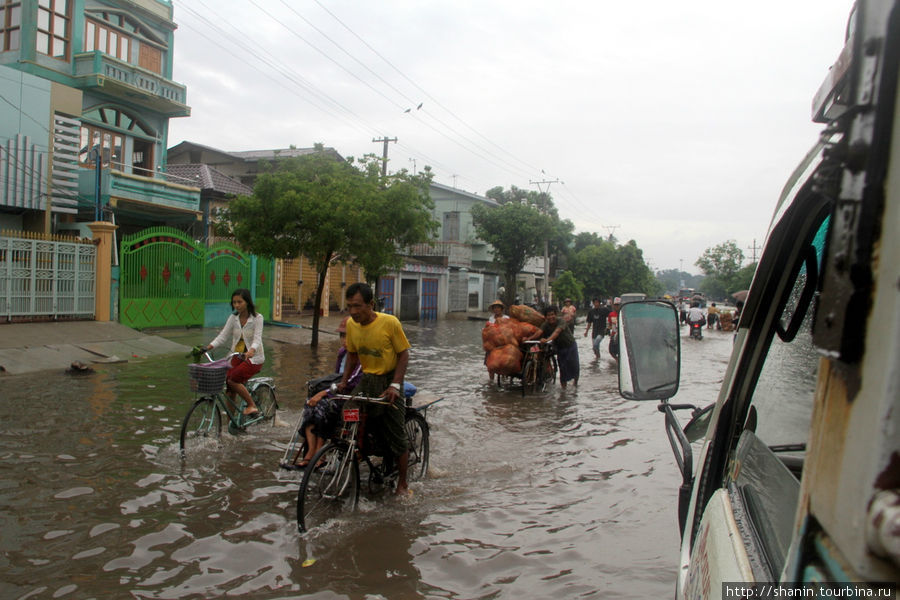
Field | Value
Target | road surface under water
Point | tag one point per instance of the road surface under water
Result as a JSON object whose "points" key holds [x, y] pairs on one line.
{"points": [[565, 494]]}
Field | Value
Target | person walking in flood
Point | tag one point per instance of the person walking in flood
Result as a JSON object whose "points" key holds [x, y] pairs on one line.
{"points": [[596, 324], [555, 329]]}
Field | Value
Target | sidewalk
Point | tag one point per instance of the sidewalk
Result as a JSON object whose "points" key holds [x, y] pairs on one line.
{"points": [[31, 347]]}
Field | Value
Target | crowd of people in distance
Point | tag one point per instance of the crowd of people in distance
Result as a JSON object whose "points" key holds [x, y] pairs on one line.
{"points": [[601, 322]]}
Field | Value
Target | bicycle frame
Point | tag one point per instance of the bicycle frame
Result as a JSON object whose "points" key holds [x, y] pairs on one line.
{"points": [[204, 417], [539, 354], [224, 402]]}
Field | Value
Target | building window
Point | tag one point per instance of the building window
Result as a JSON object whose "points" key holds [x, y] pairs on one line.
{"points": [[10, 24], [53, 28], [117, 35], [122, 140], [98, 36]]}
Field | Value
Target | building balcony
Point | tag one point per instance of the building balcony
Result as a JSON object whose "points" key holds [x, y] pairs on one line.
{"points": [[154, 195], [449, 254], [102, 72]]}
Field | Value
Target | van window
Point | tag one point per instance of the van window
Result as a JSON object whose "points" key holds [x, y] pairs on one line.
{"points": [[779, 415]]}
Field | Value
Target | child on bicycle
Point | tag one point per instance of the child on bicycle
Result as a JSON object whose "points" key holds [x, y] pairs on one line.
{"points": [[321, 415], [243, 331]]}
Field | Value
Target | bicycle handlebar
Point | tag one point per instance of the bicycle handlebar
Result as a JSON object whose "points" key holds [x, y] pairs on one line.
{"points": [[370, 399]]}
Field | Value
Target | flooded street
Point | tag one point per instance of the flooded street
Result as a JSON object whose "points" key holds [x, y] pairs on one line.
{"points": [[565, 494]]}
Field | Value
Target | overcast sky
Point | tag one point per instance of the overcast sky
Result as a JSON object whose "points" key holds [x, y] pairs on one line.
{"points": [[671, 123]]}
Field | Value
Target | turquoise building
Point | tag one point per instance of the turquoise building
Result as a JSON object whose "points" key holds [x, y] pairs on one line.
{"points": [[87, 94]]}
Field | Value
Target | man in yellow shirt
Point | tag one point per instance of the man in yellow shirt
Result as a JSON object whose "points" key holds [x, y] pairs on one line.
{"points": [[712, 316], [377, 342]]}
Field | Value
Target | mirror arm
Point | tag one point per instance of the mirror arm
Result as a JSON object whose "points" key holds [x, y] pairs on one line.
{"points": [[693, 407], [678, 441]]}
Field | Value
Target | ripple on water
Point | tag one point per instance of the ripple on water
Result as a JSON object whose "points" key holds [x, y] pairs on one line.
{"points": [[563, 494]]}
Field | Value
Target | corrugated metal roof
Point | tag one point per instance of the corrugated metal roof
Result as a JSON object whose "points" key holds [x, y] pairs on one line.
{"points": [[209, 178]]}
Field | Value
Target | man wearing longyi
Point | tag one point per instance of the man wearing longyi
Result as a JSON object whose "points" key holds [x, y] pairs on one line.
{"points": [[377, 341]]}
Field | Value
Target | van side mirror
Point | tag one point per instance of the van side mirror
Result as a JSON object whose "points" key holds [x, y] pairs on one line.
{"points": [[649, 350]]}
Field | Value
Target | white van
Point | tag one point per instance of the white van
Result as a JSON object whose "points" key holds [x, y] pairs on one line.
{"points": [[798, 479], [632, 297]]}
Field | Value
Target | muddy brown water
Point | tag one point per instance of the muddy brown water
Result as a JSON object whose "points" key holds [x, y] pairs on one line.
{"points": [[565, 494]]}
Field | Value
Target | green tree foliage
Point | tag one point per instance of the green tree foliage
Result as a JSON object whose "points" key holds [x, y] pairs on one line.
{"points": [[721, 261], [326, 210], [566, 286], [517, 231], [585, 239], [559, 240], [721, 264], [742, 279], [607, 270]]}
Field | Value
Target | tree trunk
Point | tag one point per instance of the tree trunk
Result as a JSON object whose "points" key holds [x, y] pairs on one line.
{"points": [[321, 274]]}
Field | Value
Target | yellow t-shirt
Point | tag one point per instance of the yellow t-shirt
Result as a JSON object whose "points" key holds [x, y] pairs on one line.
{"points": [[378, 343]]}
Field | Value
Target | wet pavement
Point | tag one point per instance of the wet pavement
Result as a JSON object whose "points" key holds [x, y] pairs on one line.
{"points": [[563, 494]]}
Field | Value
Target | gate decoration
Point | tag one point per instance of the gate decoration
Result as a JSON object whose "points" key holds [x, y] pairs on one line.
{"points": [[167, 279]]}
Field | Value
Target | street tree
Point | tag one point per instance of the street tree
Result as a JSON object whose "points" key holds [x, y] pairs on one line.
{"points": [[566, 286], [608, 270], [720, 263], [516, 231], [558, 241], [327, 210]]}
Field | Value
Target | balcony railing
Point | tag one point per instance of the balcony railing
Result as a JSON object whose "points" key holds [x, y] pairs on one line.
{"points": [[153, 190], [455, 254], [99, 70]]}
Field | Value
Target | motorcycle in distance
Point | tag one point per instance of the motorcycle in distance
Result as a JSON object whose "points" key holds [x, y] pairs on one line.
{"points": [[696, 330], [695, 320]]}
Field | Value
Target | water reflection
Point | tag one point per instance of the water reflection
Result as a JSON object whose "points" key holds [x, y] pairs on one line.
{"points": [[558, 494]]}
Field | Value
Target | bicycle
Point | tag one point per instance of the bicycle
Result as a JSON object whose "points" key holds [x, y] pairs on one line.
{"points": [[203, 421], [331, 482], [539, 366]]}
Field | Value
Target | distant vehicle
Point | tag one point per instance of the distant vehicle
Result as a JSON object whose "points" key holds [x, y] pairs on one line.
{"points": [[632, 297], [798, 479]]}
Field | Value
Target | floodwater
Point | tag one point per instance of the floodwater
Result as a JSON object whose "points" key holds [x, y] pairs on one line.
{"points": [[565, 494]]}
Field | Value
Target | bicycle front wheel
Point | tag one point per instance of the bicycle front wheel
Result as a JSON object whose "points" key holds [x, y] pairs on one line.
{"points": [[330, 486], [529, 376], [265, 401], [202, 426], [417, 432], [549, 372]]}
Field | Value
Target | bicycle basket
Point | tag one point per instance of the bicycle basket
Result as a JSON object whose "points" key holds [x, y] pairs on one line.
{"points": [[208, 378]]}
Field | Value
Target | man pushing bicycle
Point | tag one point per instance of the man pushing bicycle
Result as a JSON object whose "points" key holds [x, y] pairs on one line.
{"points": [[377, 342]]}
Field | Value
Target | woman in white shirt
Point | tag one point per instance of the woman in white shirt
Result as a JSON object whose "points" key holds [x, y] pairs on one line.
{"points": [[243, 331]]}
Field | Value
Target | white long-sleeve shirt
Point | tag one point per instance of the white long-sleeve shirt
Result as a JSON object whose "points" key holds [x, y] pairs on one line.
{"points": [[251, 332]]}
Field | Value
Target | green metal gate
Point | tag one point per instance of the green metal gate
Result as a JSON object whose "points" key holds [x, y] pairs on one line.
{"points": [[161, 279], [168, 280], [228, 268]]}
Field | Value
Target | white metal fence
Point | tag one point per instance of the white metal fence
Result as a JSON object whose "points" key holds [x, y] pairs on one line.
{"points": [[46, 278]]}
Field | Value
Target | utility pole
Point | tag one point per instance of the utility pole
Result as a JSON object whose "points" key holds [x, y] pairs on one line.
{"points": [[546, 242], [413, 161], [384, 159], [612, 230], [754, 248]]}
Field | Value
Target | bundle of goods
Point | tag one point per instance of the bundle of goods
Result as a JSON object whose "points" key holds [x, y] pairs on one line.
{"points": [[501, 340], [527, 314], [726, 321]]}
